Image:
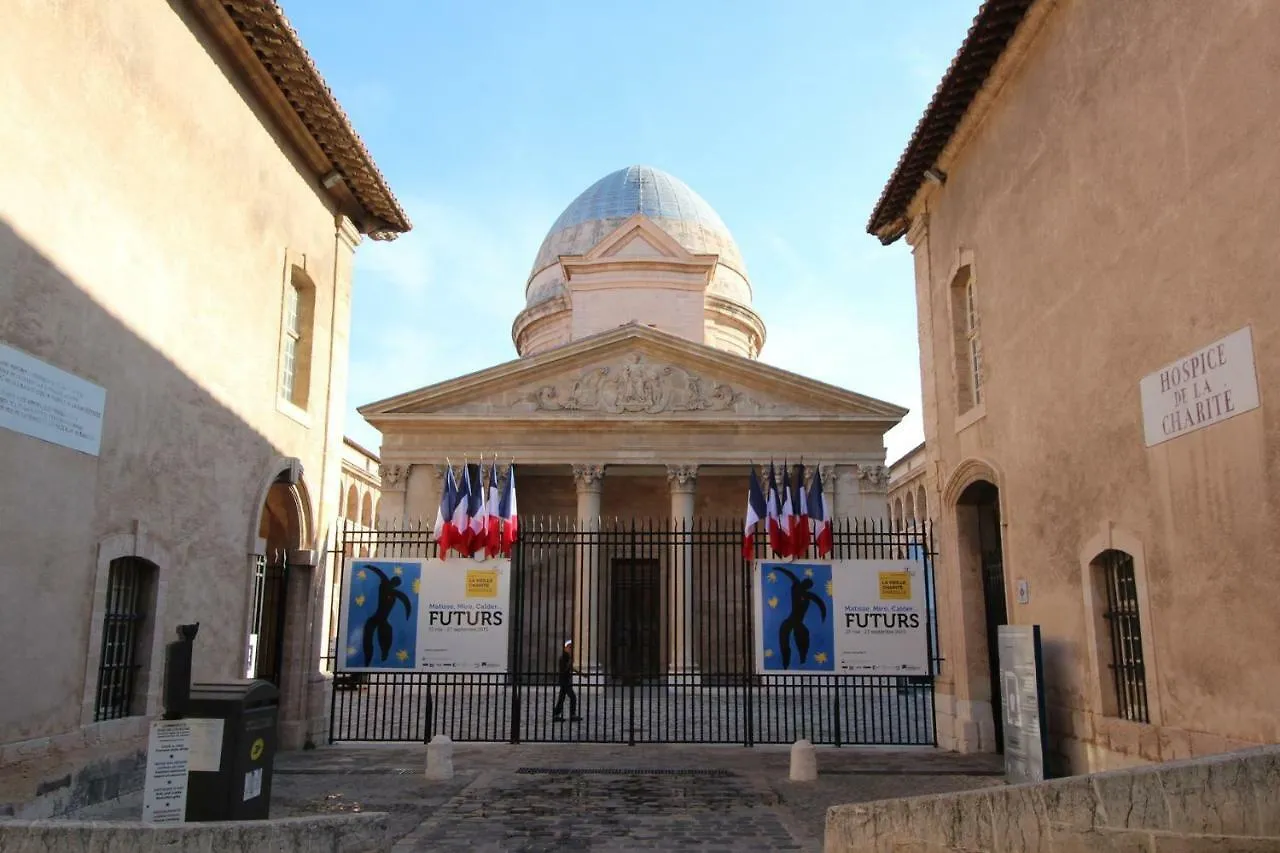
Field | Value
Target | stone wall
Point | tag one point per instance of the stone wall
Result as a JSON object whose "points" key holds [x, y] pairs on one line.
{"points": [[1225, 802]]}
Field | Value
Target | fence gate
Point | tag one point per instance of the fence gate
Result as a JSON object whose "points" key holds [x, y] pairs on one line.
{"points": [[662, 622]]}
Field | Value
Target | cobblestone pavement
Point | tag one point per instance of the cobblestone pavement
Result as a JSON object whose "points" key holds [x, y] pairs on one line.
{"points": [[551, 797], [876, 713], [590, 797]]}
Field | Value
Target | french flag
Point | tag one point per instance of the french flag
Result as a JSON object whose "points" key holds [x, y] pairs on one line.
{"points": [[507, 512], [757, 511], [493, 515], [777, 538], [786, 514], [819, 515], [459, 537], [444, 530], [800, 516], [476, 510]]}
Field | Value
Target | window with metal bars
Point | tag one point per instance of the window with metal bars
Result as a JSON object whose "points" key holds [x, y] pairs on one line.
{"points": [[1125, 628], [129, 595]]}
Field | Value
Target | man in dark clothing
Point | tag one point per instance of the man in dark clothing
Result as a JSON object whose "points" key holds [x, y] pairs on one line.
{"points": [[566, 686]]}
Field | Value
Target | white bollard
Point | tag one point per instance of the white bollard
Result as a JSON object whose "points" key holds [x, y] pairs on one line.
{"points": [[804, 762], [440, 758]]}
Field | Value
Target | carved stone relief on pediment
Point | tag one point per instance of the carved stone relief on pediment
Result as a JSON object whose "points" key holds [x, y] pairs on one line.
{"points": [[637, 385]]}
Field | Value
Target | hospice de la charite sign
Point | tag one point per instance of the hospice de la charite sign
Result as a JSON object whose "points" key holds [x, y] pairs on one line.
{"points": [[1212, 384]]}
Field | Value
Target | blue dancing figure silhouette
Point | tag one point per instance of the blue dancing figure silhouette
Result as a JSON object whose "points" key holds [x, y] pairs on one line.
{"points": [[380, 622], [802, 596]]}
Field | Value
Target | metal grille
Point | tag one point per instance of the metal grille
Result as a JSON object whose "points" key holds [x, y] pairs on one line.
{"points": [[121, 632], [1122, 617], [653, 681]]}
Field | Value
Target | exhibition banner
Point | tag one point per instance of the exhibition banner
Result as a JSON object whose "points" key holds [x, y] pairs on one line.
{"points": [[847, 617], [426, 615]]}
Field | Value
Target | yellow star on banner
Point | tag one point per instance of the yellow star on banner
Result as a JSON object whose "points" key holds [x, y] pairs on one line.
{"points": [[402, 656], [820, 657], [773, 577], [359, 601], [398, 570], [360, 575], [830, 589], [773, 602], [417, 585], [351, 650], [768, 653], [808, 572]]}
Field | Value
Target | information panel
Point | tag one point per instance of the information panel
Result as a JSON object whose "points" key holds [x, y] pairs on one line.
{"points": [[1022, 694], [851, 617], [426, 615], [164, 795], [45, 402]]}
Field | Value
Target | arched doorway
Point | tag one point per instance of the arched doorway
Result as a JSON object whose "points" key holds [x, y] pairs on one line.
{"points": [[282, 530], [978, 529]]}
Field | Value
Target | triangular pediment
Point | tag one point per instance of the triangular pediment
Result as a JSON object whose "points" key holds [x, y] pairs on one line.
{"points": [[633, 372]]}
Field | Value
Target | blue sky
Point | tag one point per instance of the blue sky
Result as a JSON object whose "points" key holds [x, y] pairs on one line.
{"points": [[488, 118]]}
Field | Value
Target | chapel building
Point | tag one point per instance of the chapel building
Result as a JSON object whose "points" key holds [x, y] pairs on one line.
{"points": [[637, 394]]}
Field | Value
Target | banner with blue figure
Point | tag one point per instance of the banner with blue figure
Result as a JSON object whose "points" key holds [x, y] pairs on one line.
{"points": [[849, 617], [796, 617], [380, 615]]}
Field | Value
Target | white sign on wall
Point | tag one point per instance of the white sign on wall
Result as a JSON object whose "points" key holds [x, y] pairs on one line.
{"points": [[425, 615], [44, 402], [164, 797], [1208, 386], [850, 617]]}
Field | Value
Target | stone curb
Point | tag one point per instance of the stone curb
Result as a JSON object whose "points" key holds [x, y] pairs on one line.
{"points": [[347, 833]]}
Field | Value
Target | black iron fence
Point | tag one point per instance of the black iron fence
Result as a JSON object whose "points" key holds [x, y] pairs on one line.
{"points": [[664, 648]]}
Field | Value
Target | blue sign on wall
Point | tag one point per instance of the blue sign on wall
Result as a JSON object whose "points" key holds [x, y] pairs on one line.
{"points": [[382, 615], [797, 618]]}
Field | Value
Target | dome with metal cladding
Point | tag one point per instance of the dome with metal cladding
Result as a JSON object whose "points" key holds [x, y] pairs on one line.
{"points": [[663, 198], [637, 275]]}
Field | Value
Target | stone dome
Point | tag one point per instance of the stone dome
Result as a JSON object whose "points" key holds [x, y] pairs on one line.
{"points": [[712, 307]]}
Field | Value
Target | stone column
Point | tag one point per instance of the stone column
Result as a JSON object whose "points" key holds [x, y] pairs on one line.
{"points": [[394, 481], [587, 580], [846, 491], [683, 481]]}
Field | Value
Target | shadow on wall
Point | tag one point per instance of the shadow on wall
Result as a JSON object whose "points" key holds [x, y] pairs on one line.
{"points": [[174, 462]]}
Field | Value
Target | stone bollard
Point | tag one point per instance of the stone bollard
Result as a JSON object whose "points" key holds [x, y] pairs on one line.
{"points": [[440, 758], [804, 762]]}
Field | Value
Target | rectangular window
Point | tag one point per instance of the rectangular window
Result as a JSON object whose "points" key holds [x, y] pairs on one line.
{"points": [[296, 338], [293, 334], [122, 637], [975, 343], [1124, 624]]}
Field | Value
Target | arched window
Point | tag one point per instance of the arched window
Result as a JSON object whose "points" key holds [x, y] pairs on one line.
{"points": [[909, 510], [922, 506], [366, 511], [897, 514], [128, 625], [1117, 586], [353, 502]]}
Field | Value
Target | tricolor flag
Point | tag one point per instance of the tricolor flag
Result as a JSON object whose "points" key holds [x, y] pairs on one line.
{"points": [[786, 514], [459, 537], [800, 515], [444, 531], [818, 513], [493, 517], [757, 511], [475, 510], [777, 536], [507, 511]]}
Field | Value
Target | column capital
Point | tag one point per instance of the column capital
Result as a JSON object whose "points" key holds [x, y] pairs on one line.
{"points": [[682, 478], [587, 477], [393, 476], [876, 477], [918, 231]]}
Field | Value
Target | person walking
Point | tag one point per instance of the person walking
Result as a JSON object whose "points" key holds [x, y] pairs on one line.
{"points": [[566, 686]]}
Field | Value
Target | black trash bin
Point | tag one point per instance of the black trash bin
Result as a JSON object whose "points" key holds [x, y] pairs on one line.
{"points": [[240, 789]]}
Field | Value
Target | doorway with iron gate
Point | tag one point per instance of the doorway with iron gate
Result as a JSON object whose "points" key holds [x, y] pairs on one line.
{"points": [[661, 615], [978, 517]]}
